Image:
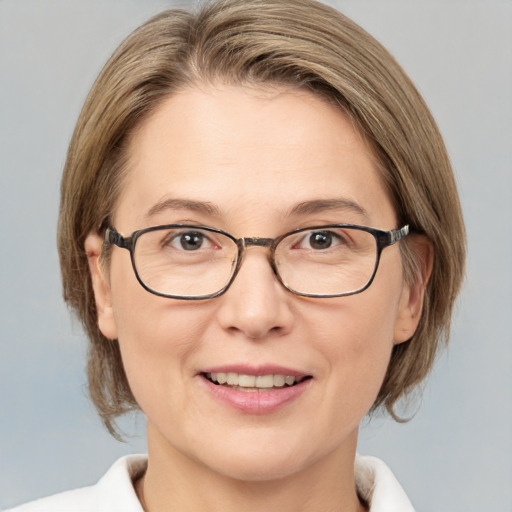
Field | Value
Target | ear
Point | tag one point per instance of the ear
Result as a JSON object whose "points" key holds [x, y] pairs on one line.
{"points": [[413, 293], [101, 286]]}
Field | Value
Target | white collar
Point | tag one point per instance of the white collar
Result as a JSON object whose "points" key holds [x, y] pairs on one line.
{"points": [[374, 480], [379, 487], [115, 491]]}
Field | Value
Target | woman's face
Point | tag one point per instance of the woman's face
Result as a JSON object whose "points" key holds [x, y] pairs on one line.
{"points": [[243, 160]]}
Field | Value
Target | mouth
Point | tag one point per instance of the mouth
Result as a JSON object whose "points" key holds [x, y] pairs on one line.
{"points": [[254, 383]]}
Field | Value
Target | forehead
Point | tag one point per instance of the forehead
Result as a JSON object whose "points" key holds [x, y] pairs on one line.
{"points": [[249, 150]]}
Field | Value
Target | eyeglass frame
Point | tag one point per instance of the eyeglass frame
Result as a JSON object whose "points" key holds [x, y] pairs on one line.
{"points": [[383, 239]]}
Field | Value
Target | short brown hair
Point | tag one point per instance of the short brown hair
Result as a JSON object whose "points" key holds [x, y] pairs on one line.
{"points": [[299, 43]]}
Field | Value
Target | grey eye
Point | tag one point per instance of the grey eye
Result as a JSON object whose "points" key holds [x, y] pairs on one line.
{"points": [[189, 241], [320, 240]]}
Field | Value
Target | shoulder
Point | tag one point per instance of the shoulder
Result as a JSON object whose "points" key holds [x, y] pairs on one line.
{"points": [[112, 493], [378, 486], [78, 500]]}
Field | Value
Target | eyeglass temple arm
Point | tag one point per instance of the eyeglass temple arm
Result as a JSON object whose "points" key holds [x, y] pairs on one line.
{"points": [[112, 237], [395, 235]]}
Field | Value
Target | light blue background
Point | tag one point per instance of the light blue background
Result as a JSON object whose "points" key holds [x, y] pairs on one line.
{"points": [[455, 456]]}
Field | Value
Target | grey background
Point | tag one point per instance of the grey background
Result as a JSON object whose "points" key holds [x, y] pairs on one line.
{"points": [[456, 454]]}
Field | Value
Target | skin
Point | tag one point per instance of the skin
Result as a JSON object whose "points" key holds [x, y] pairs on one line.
{"points": [[254, 154]]}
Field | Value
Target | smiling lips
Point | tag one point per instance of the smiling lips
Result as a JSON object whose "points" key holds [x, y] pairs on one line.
{"points": [[244, 382], [255, 394]]}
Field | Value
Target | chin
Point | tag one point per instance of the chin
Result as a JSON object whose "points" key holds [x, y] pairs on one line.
{"points": [[260, 460], [266, 467]]}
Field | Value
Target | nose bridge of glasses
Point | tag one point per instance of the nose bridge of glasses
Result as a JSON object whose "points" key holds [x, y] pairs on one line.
{"points": [[246, 242], [256, 241]]}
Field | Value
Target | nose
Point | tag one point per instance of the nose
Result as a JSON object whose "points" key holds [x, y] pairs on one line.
{"points": [[256, 304]]}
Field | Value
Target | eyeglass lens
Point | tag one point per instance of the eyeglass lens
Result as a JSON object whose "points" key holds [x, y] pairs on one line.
{"points": [[193, 262]]}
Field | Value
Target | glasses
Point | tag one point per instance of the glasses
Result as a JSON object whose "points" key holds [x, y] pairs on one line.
{"points": [[181, 261]]}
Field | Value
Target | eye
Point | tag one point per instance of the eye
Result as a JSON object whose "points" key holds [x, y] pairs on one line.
{"points": [[320, 240], [189, 241]]}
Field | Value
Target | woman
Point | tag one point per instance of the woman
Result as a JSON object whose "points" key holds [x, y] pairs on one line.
{"points": [[261, 233]]}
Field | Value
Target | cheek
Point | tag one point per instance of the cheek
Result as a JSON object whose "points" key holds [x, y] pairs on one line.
{"points": [[151, 329], [157, 338], [359, 325], [157, 348], [146, 323], [356, 339], [361, 355]]}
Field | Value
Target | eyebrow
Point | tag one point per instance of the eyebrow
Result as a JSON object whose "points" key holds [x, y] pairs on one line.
{"points": [[321, 205], [303, 208], [183, 204]]}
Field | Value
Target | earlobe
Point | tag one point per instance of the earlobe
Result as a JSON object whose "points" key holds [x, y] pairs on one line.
{"points": [[413, 293], [101, 286]]}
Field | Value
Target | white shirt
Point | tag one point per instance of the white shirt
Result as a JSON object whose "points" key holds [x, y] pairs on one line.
{"points": [[115, 492]]}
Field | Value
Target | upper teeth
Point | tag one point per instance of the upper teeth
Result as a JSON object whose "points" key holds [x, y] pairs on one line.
{"points": [[253, 381]]}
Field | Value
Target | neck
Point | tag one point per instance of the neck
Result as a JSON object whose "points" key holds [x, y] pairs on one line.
{"points": [[174, 478]]}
